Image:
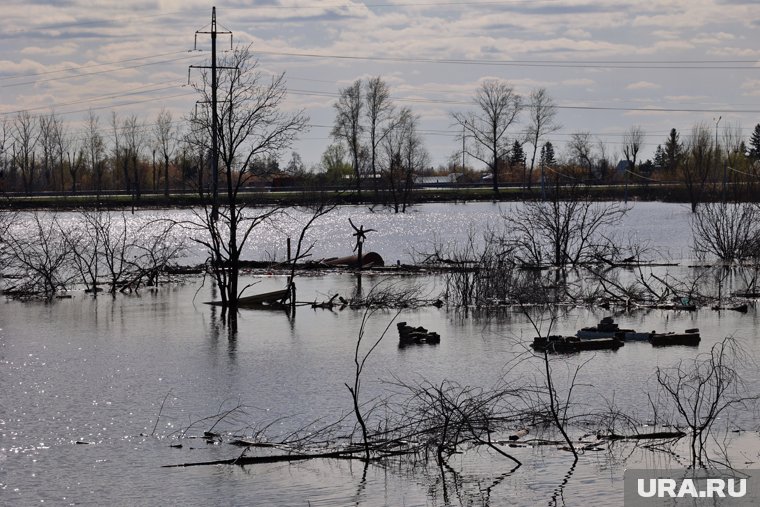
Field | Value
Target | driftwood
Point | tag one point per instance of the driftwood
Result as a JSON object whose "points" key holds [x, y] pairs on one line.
{"points": [[327, 304], [255, 460], [643, 436]]}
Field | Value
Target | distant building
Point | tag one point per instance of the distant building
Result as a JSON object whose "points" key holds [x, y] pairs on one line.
{"points": [[446, 179]]}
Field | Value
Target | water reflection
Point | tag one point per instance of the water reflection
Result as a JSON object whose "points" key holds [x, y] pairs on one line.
{"points": [[97, 370], [558, 496]]}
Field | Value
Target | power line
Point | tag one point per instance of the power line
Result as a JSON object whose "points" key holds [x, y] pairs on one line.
{"points": [[84, 74], [643, 64], [583, 108], [78, 68], [126, 93]]}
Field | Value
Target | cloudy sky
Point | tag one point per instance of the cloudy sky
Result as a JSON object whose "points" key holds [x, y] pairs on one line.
{"points": [[608, 64]]}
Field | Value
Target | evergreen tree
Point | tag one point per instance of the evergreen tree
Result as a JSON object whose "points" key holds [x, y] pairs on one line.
{"points": [[660, 160], [547, 154], [516, 155], [673, 151], [754, 144]]}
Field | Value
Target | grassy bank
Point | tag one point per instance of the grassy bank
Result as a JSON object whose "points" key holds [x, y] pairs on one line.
{"points": [[670, 192]]}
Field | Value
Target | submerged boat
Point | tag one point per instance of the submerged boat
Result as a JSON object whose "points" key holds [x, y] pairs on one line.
{"points": [[274, 298], [688, 337], [556, 343], [409, 335], [607, 328]]}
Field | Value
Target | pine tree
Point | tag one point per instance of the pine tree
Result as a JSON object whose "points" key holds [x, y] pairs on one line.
{"points": [[660, 160], [754, 144], [547, 154], [516, 155], [673, 151]]}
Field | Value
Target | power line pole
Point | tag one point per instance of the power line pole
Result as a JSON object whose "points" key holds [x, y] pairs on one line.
{"points": [[214, 115], [464, 148]]}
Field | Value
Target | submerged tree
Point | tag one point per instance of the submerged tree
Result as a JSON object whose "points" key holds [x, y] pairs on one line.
{"points": [[728, 231], [252, 125], [562, 231], [703, 389]]}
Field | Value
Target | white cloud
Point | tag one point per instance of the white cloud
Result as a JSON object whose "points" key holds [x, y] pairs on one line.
{"points": [[643, 85], [534, 37]]}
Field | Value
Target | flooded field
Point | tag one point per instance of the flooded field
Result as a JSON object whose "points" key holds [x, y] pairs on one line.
{"points": [[99, 392]]}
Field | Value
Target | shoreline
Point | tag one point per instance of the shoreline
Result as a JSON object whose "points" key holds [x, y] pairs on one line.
{"points": [[666, 192]]}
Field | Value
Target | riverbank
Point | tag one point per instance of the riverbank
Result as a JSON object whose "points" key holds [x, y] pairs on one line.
{"points": [[664, 192]]}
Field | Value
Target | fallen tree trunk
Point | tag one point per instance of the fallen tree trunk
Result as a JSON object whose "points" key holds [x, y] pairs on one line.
{"points": [[255, 460], [643, 436]]}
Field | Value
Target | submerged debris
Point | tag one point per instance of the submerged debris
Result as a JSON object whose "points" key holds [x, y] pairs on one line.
{"points": [[412, 335]]}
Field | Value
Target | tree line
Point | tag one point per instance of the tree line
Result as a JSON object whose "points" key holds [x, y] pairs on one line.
{"points": [[376, 146]]}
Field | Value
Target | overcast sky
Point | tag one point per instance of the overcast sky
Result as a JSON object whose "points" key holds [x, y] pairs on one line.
{"points": [[608, 64]]}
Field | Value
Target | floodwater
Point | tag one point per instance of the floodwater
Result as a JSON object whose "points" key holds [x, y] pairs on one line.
{"points": [[96, 390]]}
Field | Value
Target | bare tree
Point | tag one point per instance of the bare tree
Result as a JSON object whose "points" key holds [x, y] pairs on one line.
{"points": [[133, 144], [404, 156], [164, 137], [25, 134], [498, 106], [251, 125], [197, 142], [581, 149], [47, 130], [704, 388], [562, 231], [379, 109], [119, 157], [605, 159], [62, 144], [41, 255], [348, 127], [729, 231], [95, 148], [633, 139], [632, 142], [414, 156], [542, 113], [733, 142], [697, 163], [6, 143]]}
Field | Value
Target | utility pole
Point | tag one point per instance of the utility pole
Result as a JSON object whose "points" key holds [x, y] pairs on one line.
{"points": [[716, 157], [214, 116], [464, 149]]}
